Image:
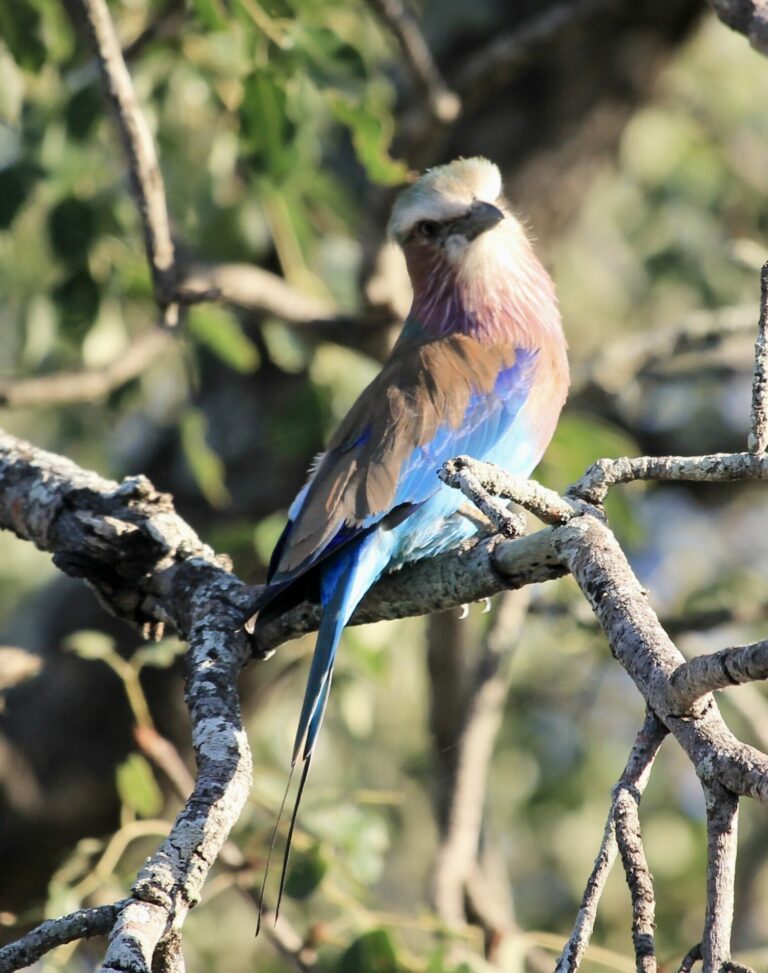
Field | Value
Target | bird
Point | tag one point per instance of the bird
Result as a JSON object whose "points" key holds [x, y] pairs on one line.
{"points": [[479, 368]]}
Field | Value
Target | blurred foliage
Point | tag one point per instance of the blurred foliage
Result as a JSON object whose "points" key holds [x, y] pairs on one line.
{"points": [[271, 119]]}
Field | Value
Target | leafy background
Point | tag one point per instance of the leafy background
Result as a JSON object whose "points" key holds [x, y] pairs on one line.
{"points": [[275, 125]]}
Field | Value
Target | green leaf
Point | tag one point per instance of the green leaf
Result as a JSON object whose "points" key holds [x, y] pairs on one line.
{"points": [[19, 29], [11, 89], [212, 13], [220, 331], [83, 110], [77, 301], [138, 788], [268, 131], [306, 873], [371, 129], [71, 227], [373, 952], [16, 182], [205, 465], [90, 644]]}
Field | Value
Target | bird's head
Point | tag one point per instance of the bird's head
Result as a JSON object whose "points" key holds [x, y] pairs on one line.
{"points": [[446, 212], [470, 262]]}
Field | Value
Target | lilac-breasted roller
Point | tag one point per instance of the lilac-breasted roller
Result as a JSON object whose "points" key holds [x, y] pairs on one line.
{"points": [[480, 368]]}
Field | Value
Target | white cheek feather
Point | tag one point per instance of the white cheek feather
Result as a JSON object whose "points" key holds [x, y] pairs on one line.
{"points": [[497, 253], [455, 249]]}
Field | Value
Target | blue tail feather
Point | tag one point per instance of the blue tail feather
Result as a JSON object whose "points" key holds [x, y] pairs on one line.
{"points": [[344, 581]]}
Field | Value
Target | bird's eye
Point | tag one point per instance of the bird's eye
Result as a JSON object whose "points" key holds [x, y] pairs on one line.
{"points": [[427, 229]]}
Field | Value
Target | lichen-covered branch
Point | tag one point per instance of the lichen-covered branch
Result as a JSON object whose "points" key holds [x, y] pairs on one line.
{"points": [[483, 482], [593, 487], [748, 17], [638, 875], [150, 568], [82, 924], [758, 437]]}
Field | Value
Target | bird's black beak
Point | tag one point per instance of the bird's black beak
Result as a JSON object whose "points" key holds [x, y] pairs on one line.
{"points": [[481, 217]]}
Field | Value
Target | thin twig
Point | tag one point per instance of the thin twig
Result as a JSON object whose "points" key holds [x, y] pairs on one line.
{"points": [[146, 179], [728, 667], [630, 787], [254, 288], [477, 480], [594, 485], [88, 384], [443, 104], [758, 437], [691, 958], [494, 65], [638, 875], [722, 830], [82, 924]]}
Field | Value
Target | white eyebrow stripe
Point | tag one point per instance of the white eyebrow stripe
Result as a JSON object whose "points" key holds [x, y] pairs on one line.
{"points": [[445, 192]]}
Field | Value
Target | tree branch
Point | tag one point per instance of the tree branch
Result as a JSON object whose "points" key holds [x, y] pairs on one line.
{"points": [[252, 287], [748, 17], [87, 384], [442, 103], [722, 824], [141, 156], [82, 924], [729, 667], [758, 438], [627, 793], [471, 749], [494, 65], [593, 487]]}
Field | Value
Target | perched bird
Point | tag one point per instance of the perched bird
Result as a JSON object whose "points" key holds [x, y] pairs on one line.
{"points": [[480, 368]]}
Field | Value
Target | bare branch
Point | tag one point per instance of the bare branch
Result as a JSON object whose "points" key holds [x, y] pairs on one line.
{"points": [[713, 468], [474, 573], [477, 480], [82, 924], [254, 288], [472, 750], [691, 958], [638, 875], [494, 65], [758, 438], [148, 565], [729, 667], [89, 384], [443, 105], [722, 829], [627, 794], [146, 179], [748, 17]]}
